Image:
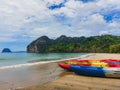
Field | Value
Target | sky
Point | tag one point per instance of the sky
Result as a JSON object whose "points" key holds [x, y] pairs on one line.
{"points": [[22, 21]]}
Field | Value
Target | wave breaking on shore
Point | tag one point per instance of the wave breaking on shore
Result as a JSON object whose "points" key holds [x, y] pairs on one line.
{"points": [[41, 62]]}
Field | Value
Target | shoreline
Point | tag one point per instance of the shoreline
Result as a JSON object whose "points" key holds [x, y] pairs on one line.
{"points": [[10, 79], [25, 75], [71, 81], [41, 62]]}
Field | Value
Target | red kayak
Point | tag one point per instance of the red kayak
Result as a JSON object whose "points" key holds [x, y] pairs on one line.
{"points": [[67, 66], [114, 65], [110, 60]]}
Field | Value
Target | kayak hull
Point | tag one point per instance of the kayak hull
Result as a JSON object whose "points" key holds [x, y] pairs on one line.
{"points": [[67, 66], [96, 71]]}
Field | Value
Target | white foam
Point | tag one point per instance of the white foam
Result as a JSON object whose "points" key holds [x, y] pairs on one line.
{"points": [[41, 62]]}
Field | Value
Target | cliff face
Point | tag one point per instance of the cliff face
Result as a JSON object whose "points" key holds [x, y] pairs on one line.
{"points": [[39, 45], [42, 44]]}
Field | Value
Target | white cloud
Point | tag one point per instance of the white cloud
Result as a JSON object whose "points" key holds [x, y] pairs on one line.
{"points": [[26, 20]]}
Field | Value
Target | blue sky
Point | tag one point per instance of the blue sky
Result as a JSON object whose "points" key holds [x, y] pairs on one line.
{"points": [[22, 21]]}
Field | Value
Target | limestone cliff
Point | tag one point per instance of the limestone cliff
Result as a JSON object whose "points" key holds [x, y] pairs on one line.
{"points": [[39, 45]]}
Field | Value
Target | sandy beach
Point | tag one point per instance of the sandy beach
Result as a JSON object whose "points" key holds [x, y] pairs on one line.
{"points": [[71, 81], [49, 76]]}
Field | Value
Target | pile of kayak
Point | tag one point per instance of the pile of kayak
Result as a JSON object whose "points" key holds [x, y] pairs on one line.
{"points": [[98, 68]]}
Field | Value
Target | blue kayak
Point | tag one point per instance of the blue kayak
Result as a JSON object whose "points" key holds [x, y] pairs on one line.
{"points": [[96, 71]]}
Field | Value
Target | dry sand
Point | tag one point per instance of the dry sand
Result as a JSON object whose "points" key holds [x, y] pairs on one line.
{"points": [[70, 81]]}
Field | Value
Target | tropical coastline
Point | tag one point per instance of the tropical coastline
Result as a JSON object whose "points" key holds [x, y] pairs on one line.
{"points": [[71, 81], [40, 61], [23, 75], [37, 37]]}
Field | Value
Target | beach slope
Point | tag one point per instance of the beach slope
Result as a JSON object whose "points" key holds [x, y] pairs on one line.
{"points": [[71, 81]]}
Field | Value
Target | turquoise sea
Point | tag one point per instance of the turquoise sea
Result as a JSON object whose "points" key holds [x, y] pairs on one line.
{"points": [[9, 59]]}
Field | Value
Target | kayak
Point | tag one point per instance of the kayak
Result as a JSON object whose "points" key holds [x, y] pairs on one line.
{"points": [[104, 65], [96, 71], [110, 60], [67, 66], [77, 61]]}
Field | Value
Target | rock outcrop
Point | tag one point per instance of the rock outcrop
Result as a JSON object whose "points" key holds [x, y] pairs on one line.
{"points": [[39, 45], [6, 50]]}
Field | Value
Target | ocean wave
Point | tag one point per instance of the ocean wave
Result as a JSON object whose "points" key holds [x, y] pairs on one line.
{"points": [[41, 62]]}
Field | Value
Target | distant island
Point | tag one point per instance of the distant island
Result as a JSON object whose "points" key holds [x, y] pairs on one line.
{"points": [[6, 50], [93, 44]]}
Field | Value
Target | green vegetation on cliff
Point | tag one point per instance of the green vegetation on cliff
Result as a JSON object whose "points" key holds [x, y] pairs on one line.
{"points": [[114, 48], [93, 44]]}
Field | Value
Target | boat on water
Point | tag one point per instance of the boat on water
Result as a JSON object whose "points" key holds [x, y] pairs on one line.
{"points": [[96, 71]]}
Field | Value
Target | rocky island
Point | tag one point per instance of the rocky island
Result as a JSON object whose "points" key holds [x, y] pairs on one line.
{"points": [[6, 50]]}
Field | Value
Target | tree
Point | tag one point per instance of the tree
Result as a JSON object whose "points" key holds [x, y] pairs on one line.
{"points": [[114, 48]]}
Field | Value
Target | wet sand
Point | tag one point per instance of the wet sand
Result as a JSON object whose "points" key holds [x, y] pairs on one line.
{"points": [[70, 81], [30, 75]]}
